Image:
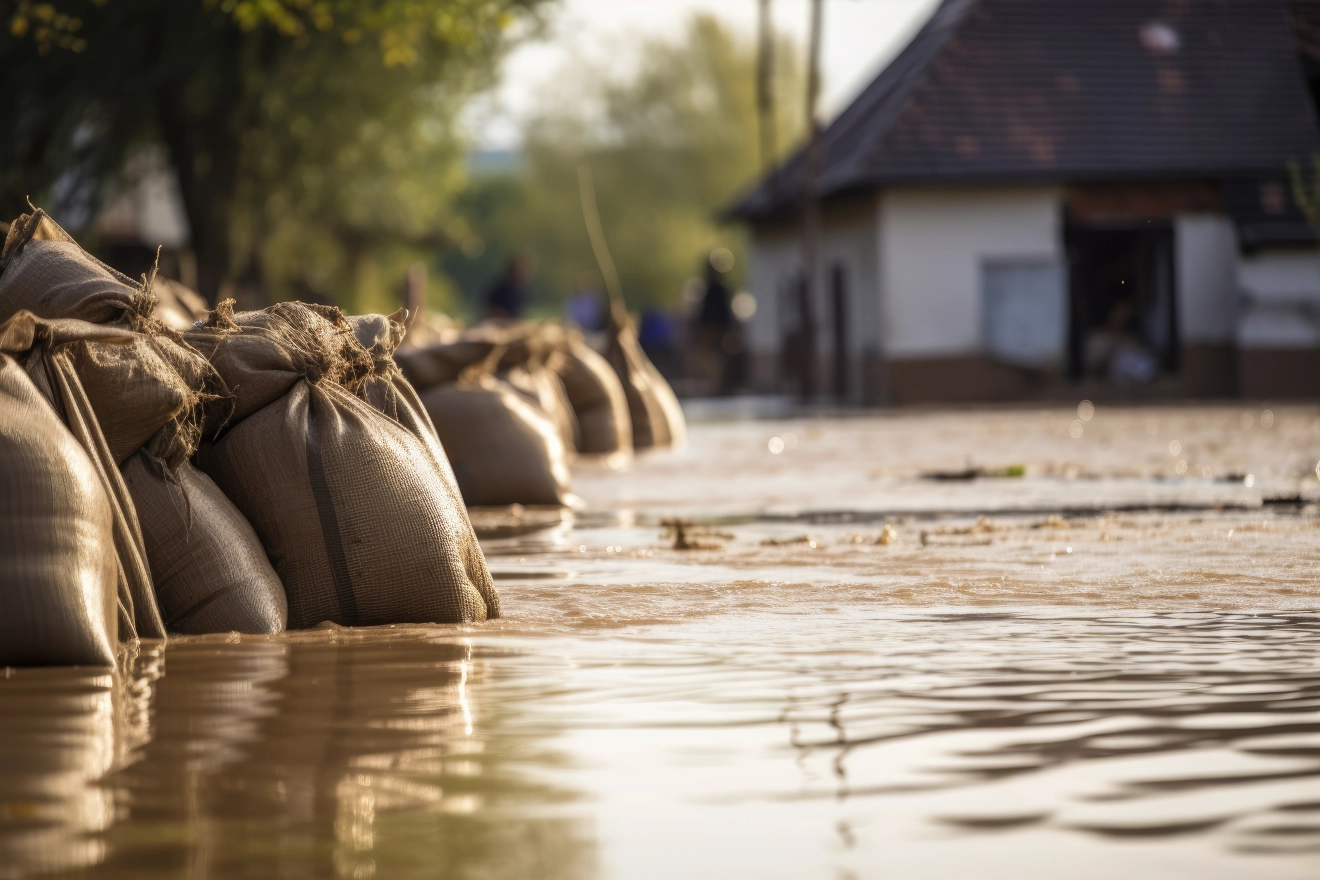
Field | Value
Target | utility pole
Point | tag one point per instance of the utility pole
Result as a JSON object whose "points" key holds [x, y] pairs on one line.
{"points": [[811, 206], [765, 85]]}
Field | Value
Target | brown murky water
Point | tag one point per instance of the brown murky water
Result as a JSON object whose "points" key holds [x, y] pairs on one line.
{"points": [[1108, 666]]}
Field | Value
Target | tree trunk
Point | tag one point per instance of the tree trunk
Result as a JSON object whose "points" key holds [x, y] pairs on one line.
{"points": [[811, 207]]}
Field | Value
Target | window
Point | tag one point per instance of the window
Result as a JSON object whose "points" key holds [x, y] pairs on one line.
{"points": [[1023, 315]]}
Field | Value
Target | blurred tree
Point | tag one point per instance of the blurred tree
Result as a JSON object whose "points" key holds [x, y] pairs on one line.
{"points": [[305, 133], [670, 141]]}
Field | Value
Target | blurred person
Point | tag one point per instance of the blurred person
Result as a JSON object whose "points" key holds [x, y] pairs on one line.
{"points": [[659, 337], [1115, 351], [506, 298], [718, 334], [586, 308]]}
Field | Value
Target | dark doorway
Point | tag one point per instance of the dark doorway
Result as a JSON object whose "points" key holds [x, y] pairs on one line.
{"points": [[1123, 319], [839, 297]]}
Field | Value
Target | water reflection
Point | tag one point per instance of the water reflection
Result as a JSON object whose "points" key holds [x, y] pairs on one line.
{"points": [[328, 754], [850, 740], [1151, 727]]}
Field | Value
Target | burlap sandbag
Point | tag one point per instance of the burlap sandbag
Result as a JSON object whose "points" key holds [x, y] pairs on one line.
{"points": [[134, 389], [60, 577], [657, 419], [502, 448], [48, 274], [441, 363], [597, 398], [49, 363], [352, 508], [208, 567], [386, 389], [540, 385]]}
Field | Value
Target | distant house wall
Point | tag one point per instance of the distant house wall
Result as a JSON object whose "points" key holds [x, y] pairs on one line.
{"points": [[934, 246], [1278, 334], [1206, 257], [920, 265], [848, 244]]}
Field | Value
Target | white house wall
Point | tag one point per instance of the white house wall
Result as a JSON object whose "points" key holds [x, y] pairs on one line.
{"points": [[933, 245], [1281, 293], [848, 240], [1206, 254]]}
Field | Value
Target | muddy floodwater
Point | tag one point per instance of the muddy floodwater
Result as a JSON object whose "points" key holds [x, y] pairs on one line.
{"points": [[992, 644]]}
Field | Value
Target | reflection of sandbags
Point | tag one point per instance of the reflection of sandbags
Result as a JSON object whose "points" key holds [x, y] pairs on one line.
{"points": [[597, 398], [50, 365], [208, 568], [353, 509], [657, 418], [503, 450], [58, 574], [58, 728]]}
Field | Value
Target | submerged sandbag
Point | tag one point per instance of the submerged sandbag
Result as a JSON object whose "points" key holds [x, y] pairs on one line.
{"points": [[207, 565], [59, 573], [597, 397], [657, 418], [354, 510], [50, 365], [503, 449]]}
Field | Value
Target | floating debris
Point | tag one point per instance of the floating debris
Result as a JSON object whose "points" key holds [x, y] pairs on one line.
{"points": [[1012, 471], [785, 542], [687, 535], [888, 535]]}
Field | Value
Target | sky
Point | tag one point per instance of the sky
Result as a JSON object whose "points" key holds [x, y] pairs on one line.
{"points": [[859, 37]]}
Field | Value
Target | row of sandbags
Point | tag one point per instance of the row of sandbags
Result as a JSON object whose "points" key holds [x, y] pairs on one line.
{"points": [[256, 471], [512, 403]]}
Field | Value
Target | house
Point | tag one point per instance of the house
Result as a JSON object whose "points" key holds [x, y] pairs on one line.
{"points": [[1056, 199]]}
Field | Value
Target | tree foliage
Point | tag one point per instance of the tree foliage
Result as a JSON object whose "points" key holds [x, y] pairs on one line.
{"points": [[308, 136], [669, 143]]}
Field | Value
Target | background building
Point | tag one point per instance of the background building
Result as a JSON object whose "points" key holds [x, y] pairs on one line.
{"points": [[1039, 195]]}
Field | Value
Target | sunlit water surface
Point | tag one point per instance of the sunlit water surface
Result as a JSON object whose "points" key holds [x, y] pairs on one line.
{"points": [[1107, 667]]}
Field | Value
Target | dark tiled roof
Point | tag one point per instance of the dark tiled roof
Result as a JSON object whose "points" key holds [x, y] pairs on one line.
{"points": [[1068, 90]]}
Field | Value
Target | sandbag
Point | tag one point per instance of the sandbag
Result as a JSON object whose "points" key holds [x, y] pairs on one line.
{"points": [[442, 363], [48, 274], [597, 397], [50, 365], [352, 508], [59, 573], [208, 567], [386, 389], [261, 355], [539, 384], [134, 389], [503, 450], [657, 418]]}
